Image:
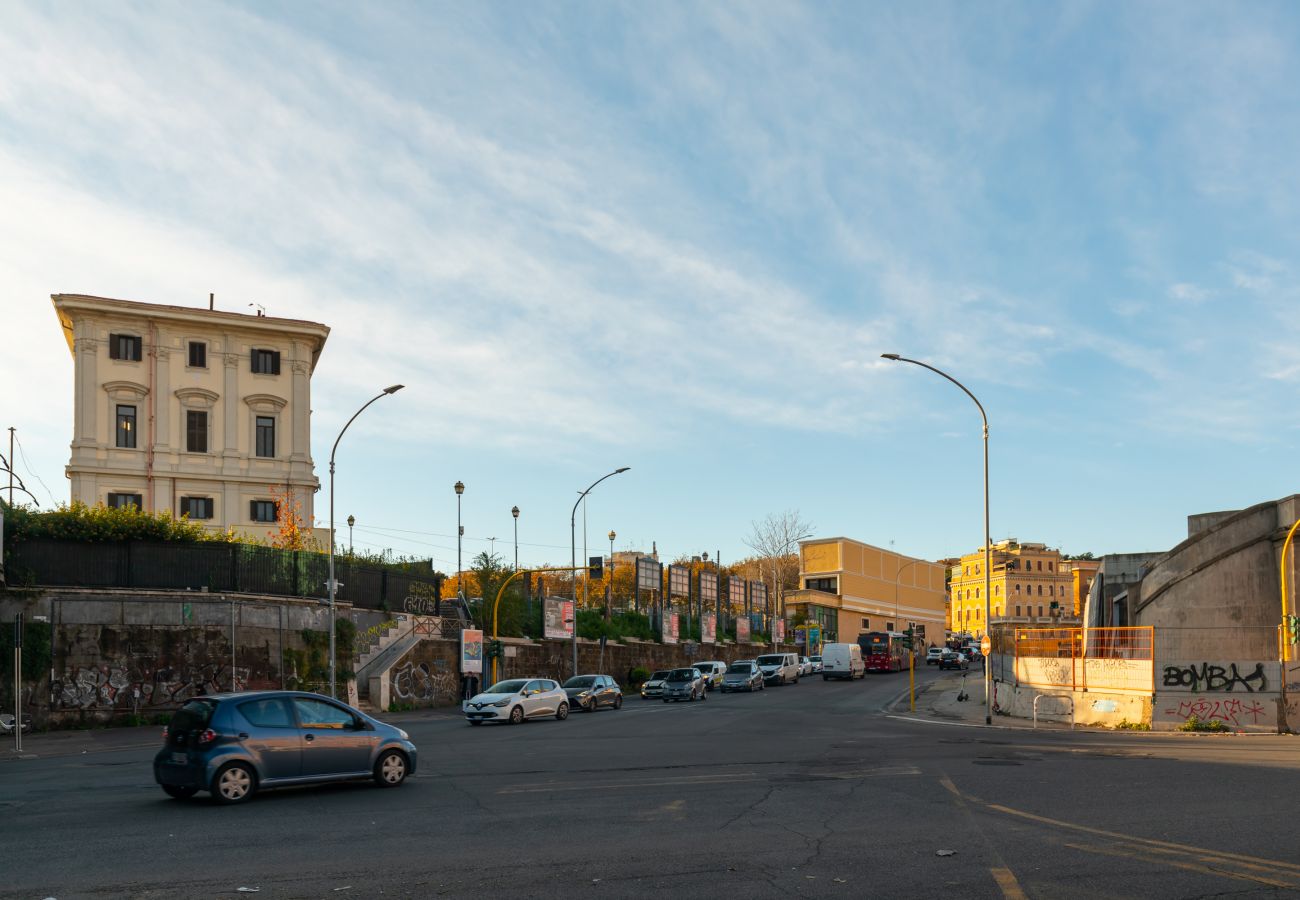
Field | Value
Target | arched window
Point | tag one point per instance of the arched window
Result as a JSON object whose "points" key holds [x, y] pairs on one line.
{"points": [[1040, 590], [977, 593], [977, 569], [997, 590]]}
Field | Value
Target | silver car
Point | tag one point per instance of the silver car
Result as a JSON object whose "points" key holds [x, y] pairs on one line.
{"points": [[684, 684], [517, 699], [742, 675], [654, 685]]}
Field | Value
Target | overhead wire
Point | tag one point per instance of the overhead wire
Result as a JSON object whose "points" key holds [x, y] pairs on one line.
{"points": [[32, 472]]}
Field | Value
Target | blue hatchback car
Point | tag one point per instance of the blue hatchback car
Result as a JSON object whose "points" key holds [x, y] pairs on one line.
{"points": [[233, 745]]}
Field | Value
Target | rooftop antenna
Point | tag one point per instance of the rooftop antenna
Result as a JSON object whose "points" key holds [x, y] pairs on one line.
{"points": [[212, 299], [261, 310]]}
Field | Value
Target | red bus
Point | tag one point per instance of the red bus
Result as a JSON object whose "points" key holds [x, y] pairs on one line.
{"points": [[882, 651]]}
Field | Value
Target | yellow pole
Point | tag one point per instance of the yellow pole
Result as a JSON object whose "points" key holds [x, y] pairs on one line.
{"points": [[497, 603], [1285, 546], [911, 676]]}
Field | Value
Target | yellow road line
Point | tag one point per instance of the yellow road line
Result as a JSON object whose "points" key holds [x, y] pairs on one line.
{"points": [[1007, 881], [1148, 856]]}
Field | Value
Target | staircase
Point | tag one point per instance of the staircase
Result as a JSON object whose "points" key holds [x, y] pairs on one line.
{"points": [[385, 640]]}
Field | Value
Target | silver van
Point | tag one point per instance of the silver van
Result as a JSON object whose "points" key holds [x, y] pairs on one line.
{"points": [[779, 668]]}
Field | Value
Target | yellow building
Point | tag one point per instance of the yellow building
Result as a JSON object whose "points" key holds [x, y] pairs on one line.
{"points": [[850, 588], [1031, 585], [204, 413]]}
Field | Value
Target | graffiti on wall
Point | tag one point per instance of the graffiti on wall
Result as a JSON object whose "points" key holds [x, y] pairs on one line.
{"points": [[414, 683], [1235, 712], [135, 688], [1215, 677]]}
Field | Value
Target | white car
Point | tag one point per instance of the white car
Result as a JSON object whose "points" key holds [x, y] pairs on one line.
{"points": [[933, 655], [842, 661], [805, 666], [816, 663], [517, 699], [712, 670], [779, 668]]}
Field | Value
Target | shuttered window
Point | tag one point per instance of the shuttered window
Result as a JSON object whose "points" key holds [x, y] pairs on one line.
{"points": [[196, 431], [262, 511], [125, 346], [266, 362], [196, 507]]}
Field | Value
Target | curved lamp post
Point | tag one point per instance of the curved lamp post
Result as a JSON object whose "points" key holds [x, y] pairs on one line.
{"points": [[514, 511], [459, 488], [988, 550], [333, 585], [573, 556]]}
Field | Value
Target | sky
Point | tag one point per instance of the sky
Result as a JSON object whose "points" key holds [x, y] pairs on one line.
{"points": [[677, 237]]}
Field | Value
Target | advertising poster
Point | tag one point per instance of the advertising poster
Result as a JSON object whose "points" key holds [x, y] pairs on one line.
{"points": [[709, 629], [742, 630], [778, 631], [557, 618], [814, 640], [670, 628], [471, 651]]}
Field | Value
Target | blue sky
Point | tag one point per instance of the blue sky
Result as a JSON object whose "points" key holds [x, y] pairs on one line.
{"points": [[678, 236]]}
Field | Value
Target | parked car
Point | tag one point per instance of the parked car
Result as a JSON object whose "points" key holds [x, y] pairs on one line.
{"points": [[234, 745], [742, 675], [779, 668], [712, 670], [816, 663], [842, 661], [518, 699], [590, 692], [654, 685], [685, 684], [953, 659], [7, 723], [932, 656], [805, 666]]}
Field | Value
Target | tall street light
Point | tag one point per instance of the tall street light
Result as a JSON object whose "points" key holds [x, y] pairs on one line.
{"points": [[609, 597], [459, 488], [333, 584], [988, 550], [573, 555], [352, 520], [514, 511]]}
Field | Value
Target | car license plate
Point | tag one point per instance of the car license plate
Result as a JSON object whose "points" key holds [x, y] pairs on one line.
{"points": [[178, 757]]}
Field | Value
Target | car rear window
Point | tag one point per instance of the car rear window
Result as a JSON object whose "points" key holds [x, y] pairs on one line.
{"points": [[193, 716], [740, 667]]}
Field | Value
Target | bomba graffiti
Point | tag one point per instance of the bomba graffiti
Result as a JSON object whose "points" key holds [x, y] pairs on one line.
{"points": [[1215, 677]]}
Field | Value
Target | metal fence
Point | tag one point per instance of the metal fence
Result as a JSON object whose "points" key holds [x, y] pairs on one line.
{"points": [[216, 568], [1113, 659]]}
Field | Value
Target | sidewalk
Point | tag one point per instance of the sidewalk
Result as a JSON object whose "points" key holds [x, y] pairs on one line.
{"points": [[937, 702]]}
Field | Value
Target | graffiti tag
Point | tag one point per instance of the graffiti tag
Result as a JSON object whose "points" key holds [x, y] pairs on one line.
{"points": [[1213, 677], [1232, 712]]}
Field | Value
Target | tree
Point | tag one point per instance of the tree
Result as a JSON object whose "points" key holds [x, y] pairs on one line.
{"points": [[288, 520], [775, 540]]}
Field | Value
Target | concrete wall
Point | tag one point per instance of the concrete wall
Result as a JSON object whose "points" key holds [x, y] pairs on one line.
{"points": [[1090, 707]]}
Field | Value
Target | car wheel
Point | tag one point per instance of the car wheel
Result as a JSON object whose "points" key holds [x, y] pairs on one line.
{"points": [[178, 792], [516, 715], [618, 702], [390, 771], [562, 712], [234, 783], [591, 707]]}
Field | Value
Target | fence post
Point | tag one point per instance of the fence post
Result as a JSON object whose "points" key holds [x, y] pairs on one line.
{"points": [[234, 567], [293, 586]]}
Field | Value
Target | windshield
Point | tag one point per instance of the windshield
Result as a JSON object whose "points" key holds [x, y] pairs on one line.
{"points": [[581, 681], [814, 659], [683, 675], [660, 675], [741, 668], [507, 687], [771, 660]]}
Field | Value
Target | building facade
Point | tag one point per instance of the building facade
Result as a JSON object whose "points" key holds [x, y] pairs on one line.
{"points": [[851, 588], [202, 413], [1031, 584]]}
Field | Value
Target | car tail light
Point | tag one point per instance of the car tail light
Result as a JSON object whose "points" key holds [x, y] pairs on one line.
{"points": [[207, 737], [164, 734]]}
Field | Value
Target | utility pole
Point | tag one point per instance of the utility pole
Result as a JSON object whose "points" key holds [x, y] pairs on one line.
{"points": [[11, 467]]}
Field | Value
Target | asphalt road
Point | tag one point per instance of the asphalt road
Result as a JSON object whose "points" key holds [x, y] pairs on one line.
{"points": [[807, 790]]}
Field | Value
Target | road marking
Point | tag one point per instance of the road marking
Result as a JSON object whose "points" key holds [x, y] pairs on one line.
{"points": [[1150, 857], [720, 778], [1007, 882]]}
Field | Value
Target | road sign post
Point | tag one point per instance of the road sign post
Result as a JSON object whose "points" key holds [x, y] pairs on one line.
{"points": [[18, 683]]}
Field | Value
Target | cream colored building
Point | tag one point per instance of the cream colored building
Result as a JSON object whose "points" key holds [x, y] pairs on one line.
{"points": [[851, 588], [200, 412]]}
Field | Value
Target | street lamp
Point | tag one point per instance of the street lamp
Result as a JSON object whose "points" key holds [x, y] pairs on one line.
{"points": [[573, 556], [333, 584], [352, 520], [609, 598], [459, 488], [988, 550], [514, 511]]}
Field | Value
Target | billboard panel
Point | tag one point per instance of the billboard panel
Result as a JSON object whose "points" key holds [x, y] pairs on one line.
{"points": [[736, 593], [742, 630], [679, 581], [758, 595], [557, 617], [709, 628], [471, 651], [709, 587], [648, 577]]}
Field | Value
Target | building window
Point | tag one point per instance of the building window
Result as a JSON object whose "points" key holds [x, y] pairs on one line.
{"points": [[263, 511], [265, 436], [997, 590], [1060, 590], [1040, 590], [1040, 610], [1040, 565], [977, 570], [198, 355], [1017, 610], [1049, 566], [977, 593], [821, 584], [866, 624], [122, 501], [196, 431], [889, 626], [266, 362], [977, 613], [126, 426], [1017, 588], [129, 347], [196, 507]]}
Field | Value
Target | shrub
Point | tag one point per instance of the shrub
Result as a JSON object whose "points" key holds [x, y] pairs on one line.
{"points": [[639, 676], [1194, 723], [1126, 725]]}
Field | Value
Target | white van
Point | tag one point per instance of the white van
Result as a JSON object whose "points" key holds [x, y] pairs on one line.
{"points": [[842, 661], [779, 668]]}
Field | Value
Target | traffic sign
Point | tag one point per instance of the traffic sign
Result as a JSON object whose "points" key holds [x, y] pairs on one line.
{"points": [[985, 645]]}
